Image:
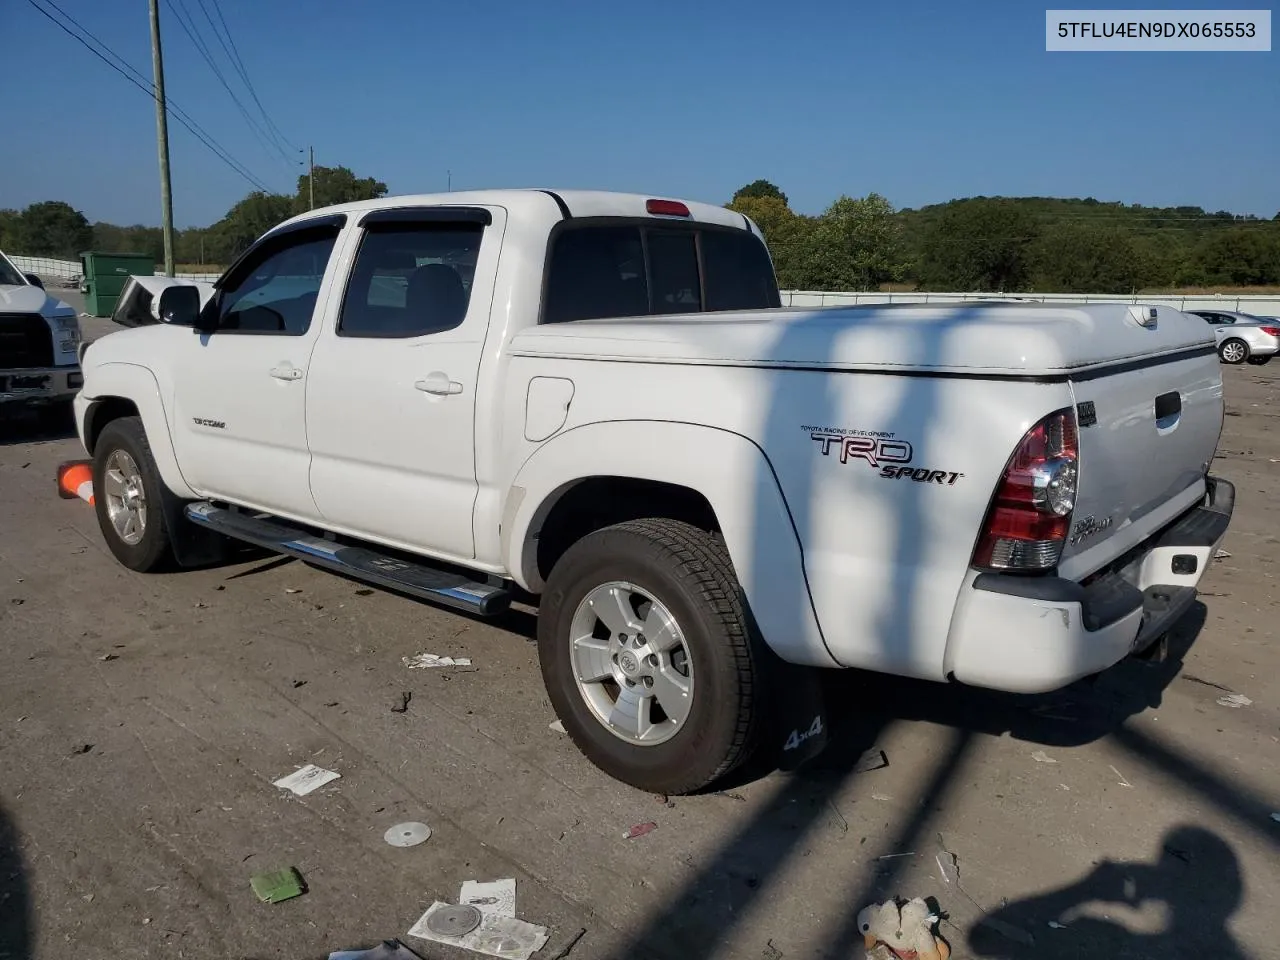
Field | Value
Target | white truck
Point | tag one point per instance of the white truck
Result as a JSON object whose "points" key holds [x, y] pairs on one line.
{"points": [[39, 340], [595, 401]]}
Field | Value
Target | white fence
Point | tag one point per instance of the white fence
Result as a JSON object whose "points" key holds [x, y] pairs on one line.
{"points": [[1267, 305], [70, 270]]}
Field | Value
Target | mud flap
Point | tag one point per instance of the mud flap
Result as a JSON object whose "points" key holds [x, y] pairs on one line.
{"points": [[193, 545], [801, 722]]}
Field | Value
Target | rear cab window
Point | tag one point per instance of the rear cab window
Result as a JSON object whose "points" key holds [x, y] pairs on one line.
{"points": [[603, 268]]}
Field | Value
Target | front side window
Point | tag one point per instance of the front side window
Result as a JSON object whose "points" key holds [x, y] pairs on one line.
{"points": [[277, 292], [410, 279]]}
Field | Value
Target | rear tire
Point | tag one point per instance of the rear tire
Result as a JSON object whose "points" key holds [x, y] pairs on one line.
{"points": [[1233, 351], [1261, 361], [686, 630], [129, 497]]}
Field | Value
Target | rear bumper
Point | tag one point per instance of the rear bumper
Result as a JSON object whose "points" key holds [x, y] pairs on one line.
{"points": [[1034, 634], [40, 384]]}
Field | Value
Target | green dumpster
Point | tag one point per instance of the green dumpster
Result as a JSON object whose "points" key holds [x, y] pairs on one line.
{"points": [[103, 277]]}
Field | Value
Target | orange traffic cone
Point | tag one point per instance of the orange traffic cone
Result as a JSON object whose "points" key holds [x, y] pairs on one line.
{"points": [[75, 479]]}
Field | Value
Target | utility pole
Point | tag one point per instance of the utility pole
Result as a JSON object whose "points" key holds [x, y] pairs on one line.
{"points": [[311, 176], [162, 138], [449, 180]]}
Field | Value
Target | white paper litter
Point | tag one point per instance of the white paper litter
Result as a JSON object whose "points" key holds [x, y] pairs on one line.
{"points": [[1041, 757], [1221, 555], [496, 936], [1276, 817], [424, 660], [497, 897], [1234, 700], [305, 779], [557, 726]]}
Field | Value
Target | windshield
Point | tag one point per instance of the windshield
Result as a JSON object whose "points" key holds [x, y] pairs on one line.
{"points": [[9, 274]]}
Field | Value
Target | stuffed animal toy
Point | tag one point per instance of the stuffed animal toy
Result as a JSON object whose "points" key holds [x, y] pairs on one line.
{"points": [[901, 930]]}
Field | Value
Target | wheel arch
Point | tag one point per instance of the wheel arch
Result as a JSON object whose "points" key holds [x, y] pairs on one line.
{"points": [[707, 476], [124, 390]]}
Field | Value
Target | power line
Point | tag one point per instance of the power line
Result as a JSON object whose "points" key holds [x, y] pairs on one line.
{"points": [[187, 22], [233, 54], [149, 89]]}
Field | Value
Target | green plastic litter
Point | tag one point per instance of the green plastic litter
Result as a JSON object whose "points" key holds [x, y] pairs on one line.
{"points": [[276, 885]]}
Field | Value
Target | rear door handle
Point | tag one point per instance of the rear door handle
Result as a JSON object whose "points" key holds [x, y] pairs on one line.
{"points": [[286, 372], [439, 385]]}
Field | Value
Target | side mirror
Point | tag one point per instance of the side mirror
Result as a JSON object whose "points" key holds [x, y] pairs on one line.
{"points": [[34, 280], [180, 306]]}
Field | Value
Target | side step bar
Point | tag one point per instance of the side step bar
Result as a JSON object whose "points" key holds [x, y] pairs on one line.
{"points": [[420, 580]]}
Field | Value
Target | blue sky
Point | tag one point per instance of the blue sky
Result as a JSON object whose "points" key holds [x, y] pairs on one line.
{"points": [[921, 102]]}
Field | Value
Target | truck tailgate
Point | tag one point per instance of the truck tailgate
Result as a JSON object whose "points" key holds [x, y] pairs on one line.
{"points": [[1147, 437]]}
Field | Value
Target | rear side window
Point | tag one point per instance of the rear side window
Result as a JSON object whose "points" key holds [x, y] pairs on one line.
{"points": [[410, 280], [635, 270]]}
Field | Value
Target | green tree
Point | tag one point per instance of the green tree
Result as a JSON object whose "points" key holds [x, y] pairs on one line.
{"points": [[246, 222], [53, 229], [1082, 257], [757, 189], [784, 232], [855, 245], [9, 226], [337, 185], [979, 244], [1242, 257]]}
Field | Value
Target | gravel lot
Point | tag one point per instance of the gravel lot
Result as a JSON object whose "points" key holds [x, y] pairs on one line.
{"points": [[144, 718]]}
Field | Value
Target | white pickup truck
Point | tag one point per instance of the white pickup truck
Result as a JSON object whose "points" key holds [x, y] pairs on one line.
{"points": [[595, 400], [39, 338]]}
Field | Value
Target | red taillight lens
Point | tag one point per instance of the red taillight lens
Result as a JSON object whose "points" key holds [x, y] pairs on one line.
{"points": [[667, 208], [1028, 521], [1273, 331]]}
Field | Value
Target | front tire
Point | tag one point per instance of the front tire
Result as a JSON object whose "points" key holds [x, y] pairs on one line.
{"points": [[1234, 351], [128, 497], [649, 656]]}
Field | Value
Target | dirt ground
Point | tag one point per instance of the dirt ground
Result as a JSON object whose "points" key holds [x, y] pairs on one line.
{"points": [[144, 718]]}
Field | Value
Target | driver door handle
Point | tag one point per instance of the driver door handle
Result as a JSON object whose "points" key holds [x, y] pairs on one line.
{"points": [[438, 384], [286, 372]]}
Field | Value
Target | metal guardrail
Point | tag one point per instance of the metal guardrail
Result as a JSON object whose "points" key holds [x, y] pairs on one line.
{"points": [[1267, 305]]}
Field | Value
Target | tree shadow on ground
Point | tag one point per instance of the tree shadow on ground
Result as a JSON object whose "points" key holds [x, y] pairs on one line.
{"points": [[16, 927], [1176, 906], [861, 707], [27, 423]]}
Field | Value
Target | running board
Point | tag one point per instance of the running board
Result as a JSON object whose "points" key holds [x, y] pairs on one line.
{"points": [[419, 580]]}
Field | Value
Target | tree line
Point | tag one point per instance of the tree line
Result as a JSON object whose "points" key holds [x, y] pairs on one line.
{"points": [[995, 244], [56, 229], [1011, 244]]}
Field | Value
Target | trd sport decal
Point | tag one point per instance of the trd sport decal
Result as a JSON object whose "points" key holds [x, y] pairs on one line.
{"points": [[882, 451]]}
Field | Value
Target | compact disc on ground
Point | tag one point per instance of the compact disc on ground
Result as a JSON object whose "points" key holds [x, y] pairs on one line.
{"points": [[407, 834], [454, 921]]}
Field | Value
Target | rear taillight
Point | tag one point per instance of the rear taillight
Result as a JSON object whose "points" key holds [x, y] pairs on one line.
{"points": [[1028, 521], [1273, 331]]}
